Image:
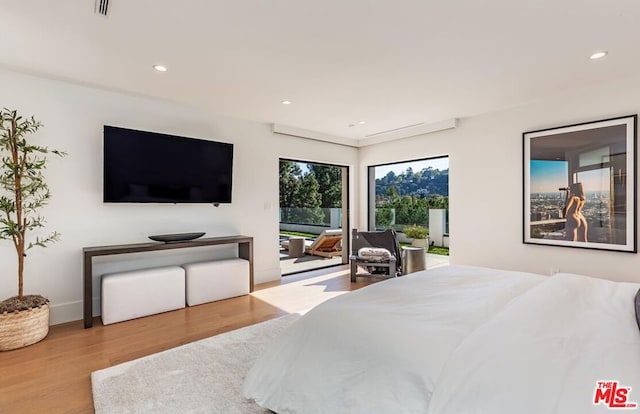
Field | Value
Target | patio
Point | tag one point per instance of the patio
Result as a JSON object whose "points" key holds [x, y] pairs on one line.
{"points": [[290, 265]]}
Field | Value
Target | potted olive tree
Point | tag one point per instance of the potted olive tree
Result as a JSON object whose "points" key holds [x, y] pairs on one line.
{"points": [[24, 319], [418, 234]]}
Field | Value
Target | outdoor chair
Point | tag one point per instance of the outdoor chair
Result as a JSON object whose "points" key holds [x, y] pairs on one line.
{"points": [[378, 252], [327, 244]]}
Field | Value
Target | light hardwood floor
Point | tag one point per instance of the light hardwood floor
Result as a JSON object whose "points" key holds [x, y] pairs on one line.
{"points": [[53, 376]]}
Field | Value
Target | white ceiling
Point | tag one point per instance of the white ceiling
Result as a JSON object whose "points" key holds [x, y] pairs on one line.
{"points": [[390, 63]]}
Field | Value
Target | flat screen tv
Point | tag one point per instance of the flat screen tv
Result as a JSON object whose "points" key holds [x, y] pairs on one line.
{"points": [[147, 167]]}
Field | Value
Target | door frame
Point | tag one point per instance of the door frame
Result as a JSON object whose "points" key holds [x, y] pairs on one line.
{"points": [[346, 212]]}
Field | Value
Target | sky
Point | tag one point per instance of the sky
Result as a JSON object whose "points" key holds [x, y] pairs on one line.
{"points": [[435, 163], [548, 176]]}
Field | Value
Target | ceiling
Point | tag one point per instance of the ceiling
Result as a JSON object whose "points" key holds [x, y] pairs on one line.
{"points": [[390, 63]]}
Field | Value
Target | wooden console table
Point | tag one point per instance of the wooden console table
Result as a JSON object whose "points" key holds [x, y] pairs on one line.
{"points": [[245, 251]]}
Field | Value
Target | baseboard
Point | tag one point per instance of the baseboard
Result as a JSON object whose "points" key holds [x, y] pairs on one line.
{"points": [[266, 275], [65, 312]]}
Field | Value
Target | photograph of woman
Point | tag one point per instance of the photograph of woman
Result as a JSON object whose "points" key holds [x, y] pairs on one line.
{"points": [[580, 185], [576, 225]]}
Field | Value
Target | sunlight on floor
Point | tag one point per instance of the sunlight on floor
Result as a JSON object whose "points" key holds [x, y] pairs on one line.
{"points": [[304, 291]]}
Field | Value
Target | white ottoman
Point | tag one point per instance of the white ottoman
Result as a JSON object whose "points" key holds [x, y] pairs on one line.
{"points": [[216, 280], [130, 295]]}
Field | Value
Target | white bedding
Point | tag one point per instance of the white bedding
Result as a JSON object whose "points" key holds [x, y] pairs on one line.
{"points": [[380, 349], [545, 352]]}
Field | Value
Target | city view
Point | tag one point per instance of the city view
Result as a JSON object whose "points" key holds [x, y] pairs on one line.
{"points": [[547, 220]]}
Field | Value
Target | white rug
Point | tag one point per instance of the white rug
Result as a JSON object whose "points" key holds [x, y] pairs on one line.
{"points": [[201, 377]]}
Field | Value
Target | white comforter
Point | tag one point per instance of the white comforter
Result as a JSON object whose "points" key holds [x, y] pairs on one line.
{"points": [[457, 340], [546, 351], [382, 348]]}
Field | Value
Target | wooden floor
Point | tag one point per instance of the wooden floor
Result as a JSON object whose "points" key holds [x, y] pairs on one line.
{"points": [[53, 376]]}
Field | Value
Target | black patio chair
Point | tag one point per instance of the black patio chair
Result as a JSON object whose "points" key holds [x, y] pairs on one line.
{"points": [[367, 253]]}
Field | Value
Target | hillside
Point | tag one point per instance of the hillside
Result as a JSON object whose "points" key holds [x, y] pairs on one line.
{"points": [[424, 183]]}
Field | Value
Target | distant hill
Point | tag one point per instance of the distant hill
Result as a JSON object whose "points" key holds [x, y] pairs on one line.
{"points": [[424, 183]]}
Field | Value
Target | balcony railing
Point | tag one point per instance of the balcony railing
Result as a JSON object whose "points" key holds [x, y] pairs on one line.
{"points": [[310, 220]]}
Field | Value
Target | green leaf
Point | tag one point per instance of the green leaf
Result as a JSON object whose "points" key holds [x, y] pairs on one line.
{"points": [[23, 178]]}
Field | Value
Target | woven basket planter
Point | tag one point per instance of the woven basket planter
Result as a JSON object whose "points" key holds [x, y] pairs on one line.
{"points": [[24, 328]]}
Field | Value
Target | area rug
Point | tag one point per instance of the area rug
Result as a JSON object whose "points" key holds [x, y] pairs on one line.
{"points": [[201, 377]]}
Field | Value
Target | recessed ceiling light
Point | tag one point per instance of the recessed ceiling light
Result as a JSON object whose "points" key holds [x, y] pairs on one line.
{"points": [[361, 123], [160, 68], [598, 55], [285, 102]]}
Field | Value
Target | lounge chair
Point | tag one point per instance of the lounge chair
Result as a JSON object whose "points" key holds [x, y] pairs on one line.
{"points": [[327, 244]]}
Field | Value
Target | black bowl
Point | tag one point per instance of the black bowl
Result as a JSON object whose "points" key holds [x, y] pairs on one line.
{"points": [[168, 238]]}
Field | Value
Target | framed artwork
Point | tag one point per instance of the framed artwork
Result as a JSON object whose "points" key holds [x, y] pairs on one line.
{"points": [[580, 185]]}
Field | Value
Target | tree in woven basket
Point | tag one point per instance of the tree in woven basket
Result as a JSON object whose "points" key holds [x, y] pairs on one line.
{"points": [[23, 192]]}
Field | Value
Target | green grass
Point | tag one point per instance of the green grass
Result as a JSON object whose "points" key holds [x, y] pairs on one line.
{"points": [[444, 251], [298, 233]]}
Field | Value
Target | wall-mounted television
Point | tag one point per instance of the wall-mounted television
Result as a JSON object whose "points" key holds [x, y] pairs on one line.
{"points": [[147, 167]]}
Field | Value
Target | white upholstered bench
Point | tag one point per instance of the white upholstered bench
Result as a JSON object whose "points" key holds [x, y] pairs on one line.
{"points": [[216, 280], [137, 293]]}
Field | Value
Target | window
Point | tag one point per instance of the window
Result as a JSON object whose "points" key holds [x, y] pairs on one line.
{"points": [[401, 194]]}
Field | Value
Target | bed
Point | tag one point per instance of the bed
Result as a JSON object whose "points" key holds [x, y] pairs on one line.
{"points": [[457, 339]]}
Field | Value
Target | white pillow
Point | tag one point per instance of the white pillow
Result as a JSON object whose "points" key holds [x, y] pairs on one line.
{"points": [[374, 252]]}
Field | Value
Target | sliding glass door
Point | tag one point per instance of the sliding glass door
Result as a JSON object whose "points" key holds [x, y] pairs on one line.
{"points": [[313, 215]]}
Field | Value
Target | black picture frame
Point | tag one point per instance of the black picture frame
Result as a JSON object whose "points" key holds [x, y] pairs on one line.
{"points": [[579, 185]]}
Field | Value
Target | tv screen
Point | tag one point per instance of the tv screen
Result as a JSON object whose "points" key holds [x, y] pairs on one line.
{"points": [[146, 167]]}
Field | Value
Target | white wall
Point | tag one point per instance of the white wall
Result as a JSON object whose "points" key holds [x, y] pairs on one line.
{"points": [[485, 155], [73, 117]]}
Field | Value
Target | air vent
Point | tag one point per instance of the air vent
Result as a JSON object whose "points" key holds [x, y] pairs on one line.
{"points": [[408, 131], [102, 7], [393, 130]]}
